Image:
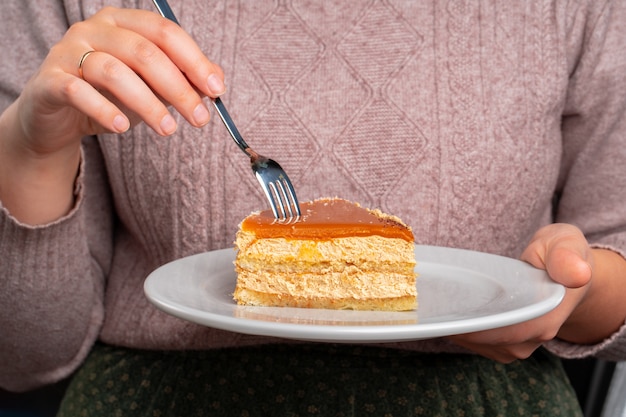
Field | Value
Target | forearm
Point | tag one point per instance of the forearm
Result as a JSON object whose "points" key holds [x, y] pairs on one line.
{"points": [[50, 300], [36, 188], [52, 282], [603, 309]]}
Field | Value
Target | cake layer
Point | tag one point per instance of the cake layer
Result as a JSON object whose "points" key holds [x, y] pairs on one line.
{"points": [[352, 283], [374, 253], [256, 298]]}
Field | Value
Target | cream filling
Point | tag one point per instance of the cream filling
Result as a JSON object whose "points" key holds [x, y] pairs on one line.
{"points": [[374, 250], [350, 284]]}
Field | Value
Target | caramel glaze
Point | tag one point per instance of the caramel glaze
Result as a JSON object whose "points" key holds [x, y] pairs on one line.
{"points": [[326, 219]]}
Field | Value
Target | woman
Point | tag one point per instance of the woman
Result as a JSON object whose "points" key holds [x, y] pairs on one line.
{"points": [[486, 127]]}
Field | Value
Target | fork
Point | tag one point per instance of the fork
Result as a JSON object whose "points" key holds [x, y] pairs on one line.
{"points": [[273, 179]]}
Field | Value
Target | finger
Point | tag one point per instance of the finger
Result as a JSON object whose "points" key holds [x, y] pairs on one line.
{"points": [[512, 342], [180, 48], [132, 37], [563, 252], [502, 353], [508, 335], [155, 69], [106, 72], [567, 265], [98, 109], [84, 98]]}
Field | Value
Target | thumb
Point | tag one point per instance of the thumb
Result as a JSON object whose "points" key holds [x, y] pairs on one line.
{"points": [[568, 266], [563, 252]]}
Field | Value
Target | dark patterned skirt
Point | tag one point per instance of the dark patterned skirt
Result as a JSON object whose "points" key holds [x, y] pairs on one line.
{"points": [[315, 380]]}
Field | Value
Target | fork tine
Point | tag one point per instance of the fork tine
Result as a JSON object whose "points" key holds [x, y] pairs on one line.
{"points": [[269, 193], [285, 197], [290, 195], [291, 198], [278, 201], [277, 188], [283, 200]]}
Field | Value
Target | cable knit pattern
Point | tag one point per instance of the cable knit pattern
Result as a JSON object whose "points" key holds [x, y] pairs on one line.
{"points": [[464, 118]]}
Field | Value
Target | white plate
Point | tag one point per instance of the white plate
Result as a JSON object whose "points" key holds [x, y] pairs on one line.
{"points": [[459, 291]]}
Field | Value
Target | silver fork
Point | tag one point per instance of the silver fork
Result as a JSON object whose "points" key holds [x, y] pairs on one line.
{"points": [[273, 179]]}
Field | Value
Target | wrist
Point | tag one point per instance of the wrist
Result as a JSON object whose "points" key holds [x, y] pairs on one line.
{"points": [[35, 188], [601, 311]]}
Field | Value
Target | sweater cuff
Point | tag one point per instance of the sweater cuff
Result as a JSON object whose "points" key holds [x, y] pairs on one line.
{"points": [[7, 220], [613, 348]]}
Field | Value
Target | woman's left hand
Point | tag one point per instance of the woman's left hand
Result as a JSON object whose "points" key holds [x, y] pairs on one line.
{"points": [[595, 281]]}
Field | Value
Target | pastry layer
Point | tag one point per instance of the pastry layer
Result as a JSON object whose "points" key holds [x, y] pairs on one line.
{"points": [[255, 298], [373, 253]]}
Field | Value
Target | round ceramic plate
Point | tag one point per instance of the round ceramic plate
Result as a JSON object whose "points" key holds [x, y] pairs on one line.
{"points": [[459, 291]]}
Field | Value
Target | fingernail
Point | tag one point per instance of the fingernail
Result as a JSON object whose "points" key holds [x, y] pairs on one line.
{"points": [[168, 124], [201, 114], [120, 124], [216, 85]]}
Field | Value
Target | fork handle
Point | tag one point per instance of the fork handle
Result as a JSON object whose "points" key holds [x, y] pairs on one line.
{"points": [[166, 11], [230, 126]]}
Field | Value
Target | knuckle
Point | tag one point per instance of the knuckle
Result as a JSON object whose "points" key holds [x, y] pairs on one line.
{"points": [[547, 335], [106, 11], [55, 51], [80, 30], [184, 94], [523, 353], [68, 86], [106, 14], [145, 52], [112, 70], [165, 28]]}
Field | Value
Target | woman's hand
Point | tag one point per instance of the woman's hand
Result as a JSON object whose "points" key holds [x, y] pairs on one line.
{"points": [[140, 61], [593, 306], [141, 64]]}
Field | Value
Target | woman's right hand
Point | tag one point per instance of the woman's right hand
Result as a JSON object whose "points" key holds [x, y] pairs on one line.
{"points": [[141, 64]]}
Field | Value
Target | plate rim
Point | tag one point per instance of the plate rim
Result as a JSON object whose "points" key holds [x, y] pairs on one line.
{"points": [[359, 333]]}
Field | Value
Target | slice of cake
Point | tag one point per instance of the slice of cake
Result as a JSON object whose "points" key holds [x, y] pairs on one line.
{"points": [[337, 255]]}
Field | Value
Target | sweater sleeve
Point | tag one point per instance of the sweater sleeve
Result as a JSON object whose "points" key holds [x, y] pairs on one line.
{"points": [[592, 186], [51, 276]]}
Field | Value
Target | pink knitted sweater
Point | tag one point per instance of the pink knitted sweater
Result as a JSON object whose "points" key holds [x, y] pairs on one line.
{"points": [[464, 118]]}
